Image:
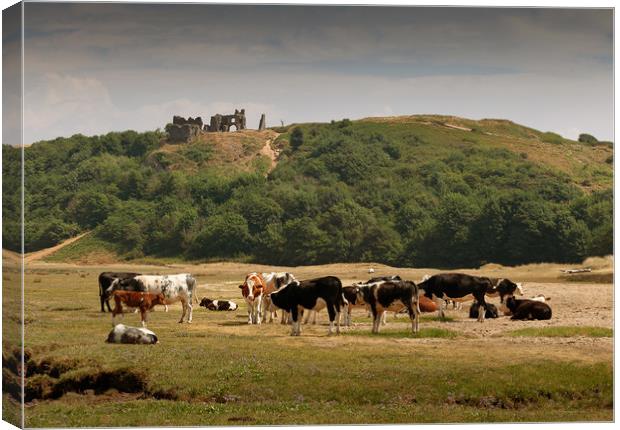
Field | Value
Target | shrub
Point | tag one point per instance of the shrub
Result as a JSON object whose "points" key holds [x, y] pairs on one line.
{"points": [[587, 138]]}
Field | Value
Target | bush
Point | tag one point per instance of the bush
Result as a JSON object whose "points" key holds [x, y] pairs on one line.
{"points": [[587, 138]]}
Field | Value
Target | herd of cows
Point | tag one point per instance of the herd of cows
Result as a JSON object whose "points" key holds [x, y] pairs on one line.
{"points": [[267, 293]]}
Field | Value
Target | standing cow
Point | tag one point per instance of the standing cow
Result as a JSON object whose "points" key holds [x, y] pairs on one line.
{"points": [[175, 288], [391, 296], [105, 280], [300, 295], [457, 287]]}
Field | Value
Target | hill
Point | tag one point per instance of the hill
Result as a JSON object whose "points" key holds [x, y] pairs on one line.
{"points": [[419, 190]]}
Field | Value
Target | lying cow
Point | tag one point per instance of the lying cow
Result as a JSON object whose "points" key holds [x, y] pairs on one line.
{"points": [[175, 288], [391, 296], [125, 334], [105, 280], [143, 301], [456, 287], [300, 295], [218, 305], [491, 311], [540, 298], [528, 309]]}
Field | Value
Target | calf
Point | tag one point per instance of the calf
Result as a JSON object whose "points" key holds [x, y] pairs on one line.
{"points": [[528, 309], [540, 298], [391, 296], [175, 288], [456, 287], [218, 305], [300, 295], [125, 334], [143, 301], [105, 280], [491, 311]]}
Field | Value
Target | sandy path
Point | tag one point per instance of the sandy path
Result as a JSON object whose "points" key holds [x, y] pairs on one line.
{"points": [[37, 255]]}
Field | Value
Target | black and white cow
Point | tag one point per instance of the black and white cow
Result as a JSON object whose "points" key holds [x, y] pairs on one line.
{"points": [[105, 280], [528, 309], [384, 278], [490, 313], [218, 305], [390, 296], [299, 295], [504, 288], [175, 288], [456, 287], [125, 334]]}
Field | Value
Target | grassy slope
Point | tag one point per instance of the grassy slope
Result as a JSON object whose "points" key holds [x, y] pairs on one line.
{"points": [[584, 165]]}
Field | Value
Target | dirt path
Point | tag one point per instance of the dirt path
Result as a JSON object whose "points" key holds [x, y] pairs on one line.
{"points": [[269, 152], [37, 255]]}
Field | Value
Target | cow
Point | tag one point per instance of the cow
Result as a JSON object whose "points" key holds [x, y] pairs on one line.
{"points": [[523, 309], [218, 305], [274, 281], [125, 334], [105, 280], [491, 311], [384, 278], [456, 287], [175, 288], [504, 288], [252, 290], [143, 301], [351, 301], [391, 296], [540, 298], [300, 295]]}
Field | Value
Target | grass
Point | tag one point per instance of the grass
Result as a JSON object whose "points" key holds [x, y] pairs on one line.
{"points": [[406, 333], [563, 332], [90, 247], [220, 371]]}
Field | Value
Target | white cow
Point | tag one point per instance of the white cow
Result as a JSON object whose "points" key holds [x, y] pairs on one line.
{"points": [[175, 288], [125, 334]]}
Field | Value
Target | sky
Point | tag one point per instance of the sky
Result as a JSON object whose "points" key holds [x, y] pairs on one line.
{"points": [[95, 68]]}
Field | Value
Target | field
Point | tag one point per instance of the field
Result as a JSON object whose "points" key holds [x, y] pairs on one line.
{"points": [[221, 371]]}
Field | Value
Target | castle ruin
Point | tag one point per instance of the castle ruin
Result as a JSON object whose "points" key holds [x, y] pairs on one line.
{"points": [[184, 130]]}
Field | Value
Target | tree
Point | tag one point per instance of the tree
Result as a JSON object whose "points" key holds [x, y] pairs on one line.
{"points": [[297, 138]]}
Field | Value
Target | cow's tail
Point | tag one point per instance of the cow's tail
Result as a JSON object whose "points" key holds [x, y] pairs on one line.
{"points": [[191, 286]]}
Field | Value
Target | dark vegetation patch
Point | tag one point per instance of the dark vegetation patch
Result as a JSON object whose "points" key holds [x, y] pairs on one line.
{"points": [[406, 333]]}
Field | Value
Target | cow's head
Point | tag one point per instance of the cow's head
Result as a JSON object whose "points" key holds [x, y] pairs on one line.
{"points": [[205, 302], [284, 280], [511, 303], [507, 288], [282, 297], [362, 294]]}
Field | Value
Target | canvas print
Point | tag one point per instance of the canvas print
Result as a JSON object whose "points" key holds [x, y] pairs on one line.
{"points": [[241, 215]]}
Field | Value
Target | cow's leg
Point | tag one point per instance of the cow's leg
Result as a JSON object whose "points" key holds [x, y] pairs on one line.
{"points": [[143, 316], [331, 311], [191, 310], [250, 305], [307, 317], [295, 316], [482, 310], [184, 310], [384, 318], [259, 309]]}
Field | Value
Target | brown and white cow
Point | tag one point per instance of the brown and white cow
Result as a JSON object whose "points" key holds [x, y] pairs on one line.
{"points": [[253, 291], [133, 299]]}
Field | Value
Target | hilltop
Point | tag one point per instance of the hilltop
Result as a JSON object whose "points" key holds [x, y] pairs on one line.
{"points": [[414, 190]]}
